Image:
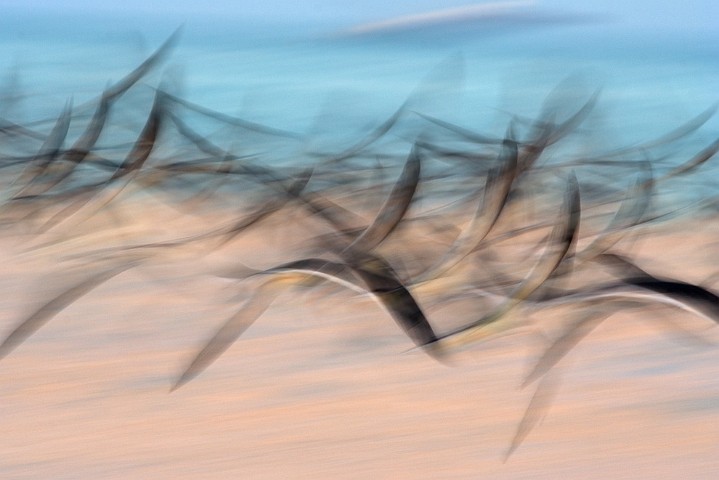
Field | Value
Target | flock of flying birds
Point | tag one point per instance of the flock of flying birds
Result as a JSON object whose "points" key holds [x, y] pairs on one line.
{"points": [[463, 192]]}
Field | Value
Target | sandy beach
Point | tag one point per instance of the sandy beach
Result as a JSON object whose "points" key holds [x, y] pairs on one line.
{"points": [[325, 385]]}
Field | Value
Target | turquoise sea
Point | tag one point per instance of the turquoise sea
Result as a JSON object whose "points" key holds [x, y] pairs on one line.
{"points": [[331, 89]]}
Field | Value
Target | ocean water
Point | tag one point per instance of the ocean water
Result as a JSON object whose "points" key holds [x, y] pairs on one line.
{"points": [[330, 90]]}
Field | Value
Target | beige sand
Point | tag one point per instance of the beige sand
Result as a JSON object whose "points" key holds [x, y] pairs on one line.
{"points": [[321, 386]]}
